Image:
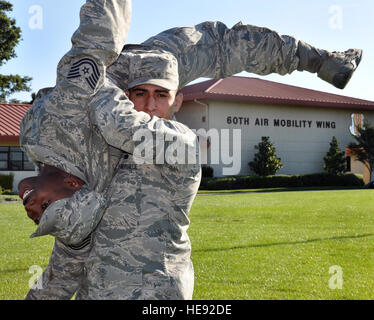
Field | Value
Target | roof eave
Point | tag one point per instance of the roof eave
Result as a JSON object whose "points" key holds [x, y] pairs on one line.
{"points": [[9, 139], [313, 103]]}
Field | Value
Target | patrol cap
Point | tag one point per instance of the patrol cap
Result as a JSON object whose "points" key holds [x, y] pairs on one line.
{"points": [[139, 65]]}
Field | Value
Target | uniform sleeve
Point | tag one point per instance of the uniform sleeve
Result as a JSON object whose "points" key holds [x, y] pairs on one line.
{"points": [[129, 130], [212, 50], [73, 219], [96, 44], [64, 274], [103, 29], [55, 130]]}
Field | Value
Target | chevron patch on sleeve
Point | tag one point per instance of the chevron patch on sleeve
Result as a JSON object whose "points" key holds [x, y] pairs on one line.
{"points": [[86, 68]]}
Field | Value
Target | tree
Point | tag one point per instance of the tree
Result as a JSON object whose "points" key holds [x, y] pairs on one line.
{"points": [[364, 146], [265, 162], [10, 35], [335, 160]]}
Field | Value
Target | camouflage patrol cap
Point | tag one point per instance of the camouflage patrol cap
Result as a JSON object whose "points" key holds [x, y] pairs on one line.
{"points": [[139, 65]]}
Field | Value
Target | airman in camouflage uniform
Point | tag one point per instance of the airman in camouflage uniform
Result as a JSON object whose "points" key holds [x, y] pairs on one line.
{"points": [[124, 234]]}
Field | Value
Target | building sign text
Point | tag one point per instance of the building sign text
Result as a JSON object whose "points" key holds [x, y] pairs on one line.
{"points": [[281, 123]]}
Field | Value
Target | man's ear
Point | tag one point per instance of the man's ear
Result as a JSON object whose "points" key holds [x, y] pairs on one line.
{"points": [[178, 101], [73, 183], [127, 93]]}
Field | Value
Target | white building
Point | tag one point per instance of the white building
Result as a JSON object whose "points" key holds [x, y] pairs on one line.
{"points": [[300, 122]]}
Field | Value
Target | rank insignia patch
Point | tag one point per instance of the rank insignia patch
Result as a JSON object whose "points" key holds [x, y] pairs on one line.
{"points": [[86, 68]]}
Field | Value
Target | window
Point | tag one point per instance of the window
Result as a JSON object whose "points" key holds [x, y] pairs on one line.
{"points": [[14, 159]]}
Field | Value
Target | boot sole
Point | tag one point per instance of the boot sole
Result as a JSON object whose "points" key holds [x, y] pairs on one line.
{"points": [[342, 78]]}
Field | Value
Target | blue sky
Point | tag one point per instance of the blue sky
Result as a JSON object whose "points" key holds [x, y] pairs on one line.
{"points": [[335, 25]]}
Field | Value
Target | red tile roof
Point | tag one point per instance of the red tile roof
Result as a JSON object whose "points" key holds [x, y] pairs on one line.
{"points": [[258, 90], [10, 118]]}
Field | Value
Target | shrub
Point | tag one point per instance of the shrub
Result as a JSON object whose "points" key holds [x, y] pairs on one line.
{"points": [[207, 172], [265, 162], [335, 161], [282, 181], [6, 181]]}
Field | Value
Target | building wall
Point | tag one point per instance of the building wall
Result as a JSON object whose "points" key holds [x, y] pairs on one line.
{"points": [[195, 116], [9, 143], [300, 134], [356, 166], [18, 176], [360, 168]]}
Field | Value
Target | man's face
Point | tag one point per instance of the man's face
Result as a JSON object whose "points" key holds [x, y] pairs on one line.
{"points": [[155, 100], [39, 192]]}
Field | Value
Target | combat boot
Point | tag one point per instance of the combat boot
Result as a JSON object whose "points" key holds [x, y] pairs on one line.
{"points": [[334, 67]]}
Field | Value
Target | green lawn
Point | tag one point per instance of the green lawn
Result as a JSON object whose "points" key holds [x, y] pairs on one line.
{"points": [[276, 245], [17, 251], [281, 245]]}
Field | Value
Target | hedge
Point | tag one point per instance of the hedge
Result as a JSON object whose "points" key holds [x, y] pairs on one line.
{"points": [[207, 172], [282, 181], [6, 181]]}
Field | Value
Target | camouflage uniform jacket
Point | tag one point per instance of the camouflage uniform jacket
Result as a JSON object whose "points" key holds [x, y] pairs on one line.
{"points": [[86, 126]]}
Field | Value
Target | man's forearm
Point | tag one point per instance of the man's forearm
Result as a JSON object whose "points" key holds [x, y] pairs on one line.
{"points": [[73, 219], [123, 127]]}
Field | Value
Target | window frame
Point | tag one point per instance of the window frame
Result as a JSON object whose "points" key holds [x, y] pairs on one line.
{"points": [[8, 152]]}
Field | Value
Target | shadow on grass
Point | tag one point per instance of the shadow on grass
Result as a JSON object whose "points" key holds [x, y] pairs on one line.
{"points": [[14, 270], [271, 190], [25, 269], [264, 245]]}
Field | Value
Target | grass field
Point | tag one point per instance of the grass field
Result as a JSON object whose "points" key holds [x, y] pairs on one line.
{"points": [[276, 245]]}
